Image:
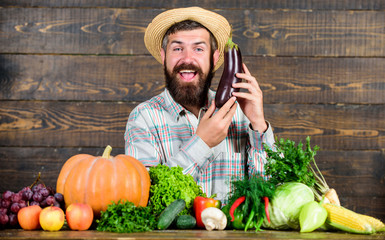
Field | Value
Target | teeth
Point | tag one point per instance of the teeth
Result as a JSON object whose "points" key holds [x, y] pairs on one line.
{"points": [[187, 71]]}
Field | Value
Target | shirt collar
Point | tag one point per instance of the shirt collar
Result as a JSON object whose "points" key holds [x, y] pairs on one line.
{"points": [[173, 107], [177, 109]]}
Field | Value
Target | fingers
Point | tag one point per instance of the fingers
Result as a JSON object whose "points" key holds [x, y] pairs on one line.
{"points": [[250, 83], [245, 69], [226, 108], [210, 111], [229, 115], [214, 125]]}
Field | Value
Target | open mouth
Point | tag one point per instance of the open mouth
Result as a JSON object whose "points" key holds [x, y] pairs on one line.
{"points": [[187, 75]]}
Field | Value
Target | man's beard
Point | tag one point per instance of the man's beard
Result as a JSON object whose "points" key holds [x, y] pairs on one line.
{"points": [[189, 94]]}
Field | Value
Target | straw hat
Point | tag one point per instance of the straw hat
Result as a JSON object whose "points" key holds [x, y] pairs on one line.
{"points": [[217, 24]]}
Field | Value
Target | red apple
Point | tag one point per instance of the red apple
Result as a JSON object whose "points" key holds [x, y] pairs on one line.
{"points": [[51, 218], [28, 217], [79, 216]]}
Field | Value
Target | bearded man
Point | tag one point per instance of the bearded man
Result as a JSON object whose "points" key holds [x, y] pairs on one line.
{"points": [[181, 126]]}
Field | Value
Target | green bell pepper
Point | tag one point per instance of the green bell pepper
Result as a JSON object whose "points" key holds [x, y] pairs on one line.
{"points": [[239, 219]]}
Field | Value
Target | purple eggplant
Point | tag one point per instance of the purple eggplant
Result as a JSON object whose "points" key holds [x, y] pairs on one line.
{"points": [[232, 65]]}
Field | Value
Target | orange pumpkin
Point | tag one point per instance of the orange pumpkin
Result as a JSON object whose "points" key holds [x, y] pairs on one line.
{"points": [[99, 181]]}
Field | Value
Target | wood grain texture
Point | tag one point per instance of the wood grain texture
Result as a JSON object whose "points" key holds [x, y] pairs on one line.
{"points": [[72, 71], [138, 78], [80, 78], [93, 124], [210, 4], [258, 32], [13, 234], [36, 123]]}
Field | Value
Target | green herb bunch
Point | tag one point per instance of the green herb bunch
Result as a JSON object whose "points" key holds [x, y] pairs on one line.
{"points": [[254, 189], [169, 184], [125, 217], [291, 162]]}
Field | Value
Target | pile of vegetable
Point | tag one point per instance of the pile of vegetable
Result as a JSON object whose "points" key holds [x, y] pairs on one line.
{"points": [[294, 196], [300, 198], [294, 170], [303, 199], [289, 162], [171, 198]]}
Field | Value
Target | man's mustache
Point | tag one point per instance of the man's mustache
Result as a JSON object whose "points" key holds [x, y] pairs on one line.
{"points": [[186, 66]]}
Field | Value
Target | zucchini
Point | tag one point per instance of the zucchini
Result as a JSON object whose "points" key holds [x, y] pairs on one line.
{"points": [[170, 213], [186, 222]]}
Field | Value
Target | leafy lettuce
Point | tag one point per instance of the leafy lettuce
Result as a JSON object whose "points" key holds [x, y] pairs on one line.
{"points": [[169, 184]]}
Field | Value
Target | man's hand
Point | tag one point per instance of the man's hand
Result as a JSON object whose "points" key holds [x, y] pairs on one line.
{"points": [[251, 101], [213, 128]]}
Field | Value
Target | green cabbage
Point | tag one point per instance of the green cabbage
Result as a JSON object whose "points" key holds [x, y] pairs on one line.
{"points": [[286, 205]]}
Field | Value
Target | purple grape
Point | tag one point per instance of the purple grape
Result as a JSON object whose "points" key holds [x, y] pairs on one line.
{"points": [[43, 203], [37, 187], [15, 207], [44, 192], [3, 210], [13, 219], [59, 197], [7, 195], [34, 203], [4, 219], [50, 200], [5, 203], [37, 197], [22, 203], [27, 194], [51, 190], [16, 197], [34, 189], [24, 189]]}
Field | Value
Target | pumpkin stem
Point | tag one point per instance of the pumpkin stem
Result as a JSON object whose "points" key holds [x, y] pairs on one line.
{"points": [[107, 152]]}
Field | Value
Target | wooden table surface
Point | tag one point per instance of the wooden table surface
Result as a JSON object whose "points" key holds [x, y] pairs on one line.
{"points": [[179, 234]]}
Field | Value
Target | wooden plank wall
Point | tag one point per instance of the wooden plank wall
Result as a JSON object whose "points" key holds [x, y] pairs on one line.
{"points": [[71, 72]]}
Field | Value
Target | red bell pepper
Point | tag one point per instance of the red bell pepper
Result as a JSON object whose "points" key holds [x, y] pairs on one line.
{"points": [[200, 204]]}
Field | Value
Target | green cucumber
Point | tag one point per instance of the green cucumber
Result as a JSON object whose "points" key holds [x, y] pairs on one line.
{"points": [[185, 222], [170, 213]]}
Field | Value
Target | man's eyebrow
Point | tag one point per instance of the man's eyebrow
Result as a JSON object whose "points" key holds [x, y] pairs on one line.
{"points": [[199, 43], [181, 42], [176, 42]]}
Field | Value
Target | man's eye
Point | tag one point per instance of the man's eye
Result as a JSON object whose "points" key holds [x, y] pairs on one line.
{"points": [[178, 49]]}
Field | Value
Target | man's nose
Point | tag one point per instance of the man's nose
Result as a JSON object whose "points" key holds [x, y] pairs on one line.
{"points": [[188, 56]]}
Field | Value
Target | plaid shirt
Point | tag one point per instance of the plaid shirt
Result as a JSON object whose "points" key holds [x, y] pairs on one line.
{"points": [[161, 131]]}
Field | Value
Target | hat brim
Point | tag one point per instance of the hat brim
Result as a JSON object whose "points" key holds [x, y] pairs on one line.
{"points": [[217, 24]]}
